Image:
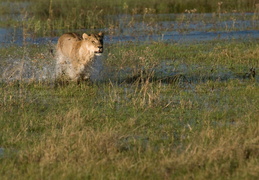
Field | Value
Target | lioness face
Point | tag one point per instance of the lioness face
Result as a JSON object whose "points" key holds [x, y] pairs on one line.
{"points": [[94, 42]]}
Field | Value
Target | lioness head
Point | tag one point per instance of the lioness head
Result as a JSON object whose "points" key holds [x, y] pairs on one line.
{"points": [[94, 42]]}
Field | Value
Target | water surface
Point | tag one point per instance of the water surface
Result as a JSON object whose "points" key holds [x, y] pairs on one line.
{"points": [[170, 28]]}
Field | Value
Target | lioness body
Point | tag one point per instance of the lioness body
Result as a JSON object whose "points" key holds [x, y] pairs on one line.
{"points": [[76, 54]]}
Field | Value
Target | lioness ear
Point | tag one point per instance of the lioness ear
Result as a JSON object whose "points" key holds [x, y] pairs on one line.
{"points": [[85, 36], [100, 34]]}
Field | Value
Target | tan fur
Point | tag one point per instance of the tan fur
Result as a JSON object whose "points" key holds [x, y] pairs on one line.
{"points": [[75, 55]]}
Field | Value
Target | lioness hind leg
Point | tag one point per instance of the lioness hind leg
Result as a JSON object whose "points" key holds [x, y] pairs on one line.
{"points": [[60, 60], [61, 78], [58, 70]]}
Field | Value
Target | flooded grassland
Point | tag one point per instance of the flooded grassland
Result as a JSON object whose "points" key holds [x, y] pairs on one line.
{"points": [[177, 98]]}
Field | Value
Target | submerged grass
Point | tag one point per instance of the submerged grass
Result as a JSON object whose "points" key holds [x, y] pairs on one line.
{"points": [[199, 128]]}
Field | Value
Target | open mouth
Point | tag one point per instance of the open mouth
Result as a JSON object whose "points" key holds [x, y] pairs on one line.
{"points": [[99, 51]]}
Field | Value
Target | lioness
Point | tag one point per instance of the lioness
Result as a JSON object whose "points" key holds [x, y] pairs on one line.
{"points": [[76, 55]]}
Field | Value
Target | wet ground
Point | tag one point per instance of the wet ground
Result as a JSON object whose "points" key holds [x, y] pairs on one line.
{"points": [[176, 28], [172, 28]]}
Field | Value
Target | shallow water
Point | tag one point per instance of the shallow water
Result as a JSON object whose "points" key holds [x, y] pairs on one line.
{"points": [[27, 70], [171, 28], [9, 37]]}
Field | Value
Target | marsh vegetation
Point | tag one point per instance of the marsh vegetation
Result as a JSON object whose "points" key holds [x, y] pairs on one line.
{"points": [[179, 97]]}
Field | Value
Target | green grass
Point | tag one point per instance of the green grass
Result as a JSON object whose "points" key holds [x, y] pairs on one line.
{"points": [[199, 127], [118, 6], [163, 111], [49, 18]]}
